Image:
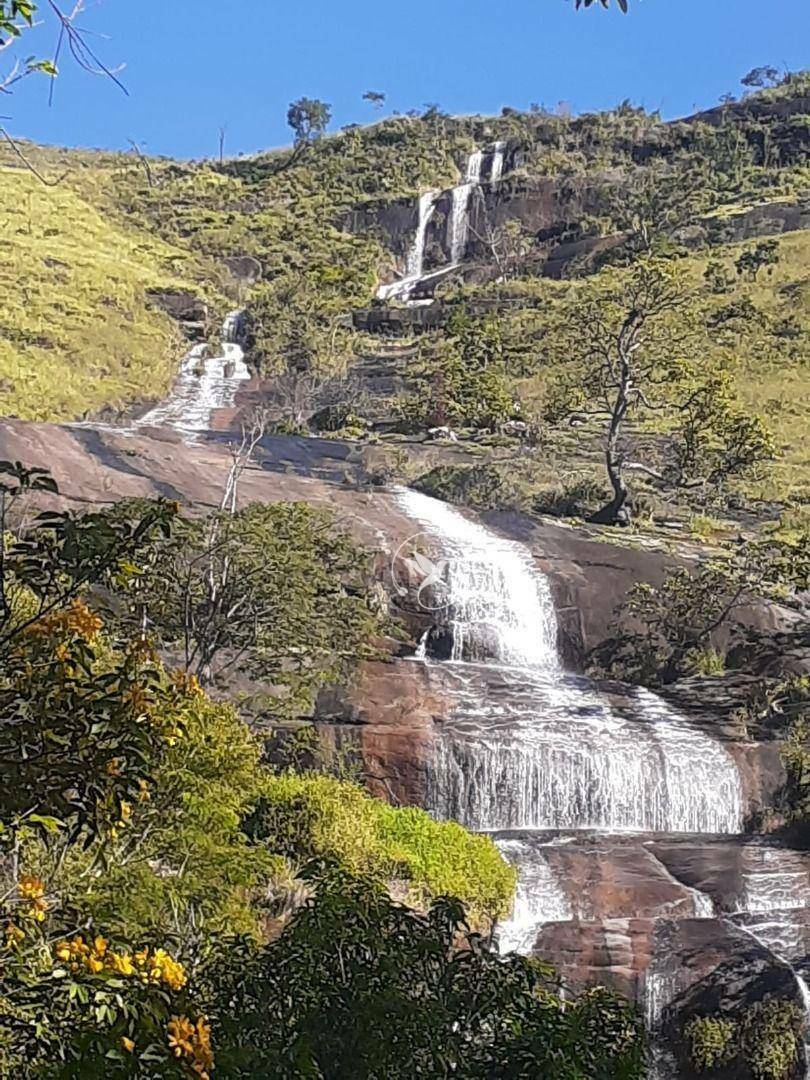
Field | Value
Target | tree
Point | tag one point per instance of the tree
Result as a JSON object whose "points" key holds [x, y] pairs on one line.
{"points": [[272, 591], [361, 988], [461, 380], [651, 204], [373, 97], [665, 632], [52, 563], [637, 348], [752, 260], [308, 118], [296, 323], [760, 77]]}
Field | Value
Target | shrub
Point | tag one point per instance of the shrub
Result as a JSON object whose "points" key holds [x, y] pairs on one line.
{"points": [[711, 1042], [360, 987], [313, 816]]}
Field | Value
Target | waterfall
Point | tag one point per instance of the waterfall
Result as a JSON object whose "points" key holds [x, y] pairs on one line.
{"points": [[204, 384], [528, 747], [403, 288], [496, 168], [525, 748], [498, 605], [416, 256], [775, 886], [528, 750], [459, 222], [539, 899]]}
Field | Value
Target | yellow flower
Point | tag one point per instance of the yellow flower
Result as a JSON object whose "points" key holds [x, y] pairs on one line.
{"points": [[31, 887], [127, 1044], [126, 811], [100, 945], [144, 794], [122, 963], [113, 767], [181, 1032], [94, 964], [192, 1042], [63, 952]]}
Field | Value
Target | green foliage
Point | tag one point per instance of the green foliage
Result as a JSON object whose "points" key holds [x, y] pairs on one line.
{"points": [[182, 857], [308, 118], [752, 260], [461, 381], [482, 487], [764, 1039], [360, 987], [664, 632], [295, 323], [638, 350], [711, 1042], [273, 591], [77, 330], [314, 816]]}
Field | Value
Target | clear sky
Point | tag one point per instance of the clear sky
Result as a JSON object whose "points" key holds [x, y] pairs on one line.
{"points": [[193, 65]]}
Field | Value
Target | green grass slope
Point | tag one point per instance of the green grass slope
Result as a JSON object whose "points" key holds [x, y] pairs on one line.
{"points": [[76, 329]]}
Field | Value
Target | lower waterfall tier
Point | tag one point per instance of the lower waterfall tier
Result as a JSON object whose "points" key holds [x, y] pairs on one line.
{"points": [[529, 750]]}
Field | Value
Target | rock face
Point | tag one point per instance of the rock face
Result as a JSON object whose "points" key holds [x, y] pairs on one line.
{"points": [[189, 310]]}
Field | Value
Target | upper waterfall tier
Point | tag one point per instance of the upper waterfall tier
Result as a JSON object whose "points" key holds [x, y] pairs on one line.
{"points": [[458, 220], [495, 603]]}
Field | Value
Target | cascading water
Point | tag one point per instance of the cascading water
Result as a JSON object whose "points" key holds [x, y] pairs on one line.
{"points": [[497, 605], [416, 255], [458, 223], [458, 226], [774, 896], [528, 749], [496, 168], [539, 899], [203, 384], [532, 748]]}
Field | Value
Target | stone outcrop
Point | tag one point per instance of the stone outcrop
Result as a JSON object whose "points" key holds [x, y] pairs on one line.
{"points": [[187, 309]]}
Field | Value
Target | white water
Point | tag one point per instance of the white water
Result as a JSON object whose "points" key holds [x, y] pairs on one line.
{"points": [[773, 879], [498, 606], [458, 227], [203, 385], [539, 899], [530, 748], [416, 256], [496, 168], [458, 223], [776, 887], [527, 747], [415, 265]]}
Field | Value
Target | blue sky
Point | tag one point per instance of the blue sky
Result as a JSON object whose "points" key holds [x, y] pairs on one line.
{"points": [[193, 65]]}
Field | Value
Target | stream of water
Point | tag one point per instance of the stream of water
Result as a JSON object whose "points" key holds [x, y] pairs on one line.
{"points": [[530, 748]]}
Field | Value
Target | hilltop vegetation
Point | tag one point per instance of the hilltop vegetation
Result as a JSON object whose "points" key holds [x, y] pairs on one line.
{"points": [[290, 211]]}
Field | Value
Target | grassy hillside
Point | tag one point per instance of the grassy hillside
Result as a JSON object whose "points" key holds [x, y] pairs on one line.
{"points": [[76, 329], [78, 333]]}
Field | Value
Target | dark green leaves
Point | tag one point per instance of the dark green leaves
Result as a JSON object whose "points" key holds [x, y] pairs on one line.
{"points": [[11, 13]]}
